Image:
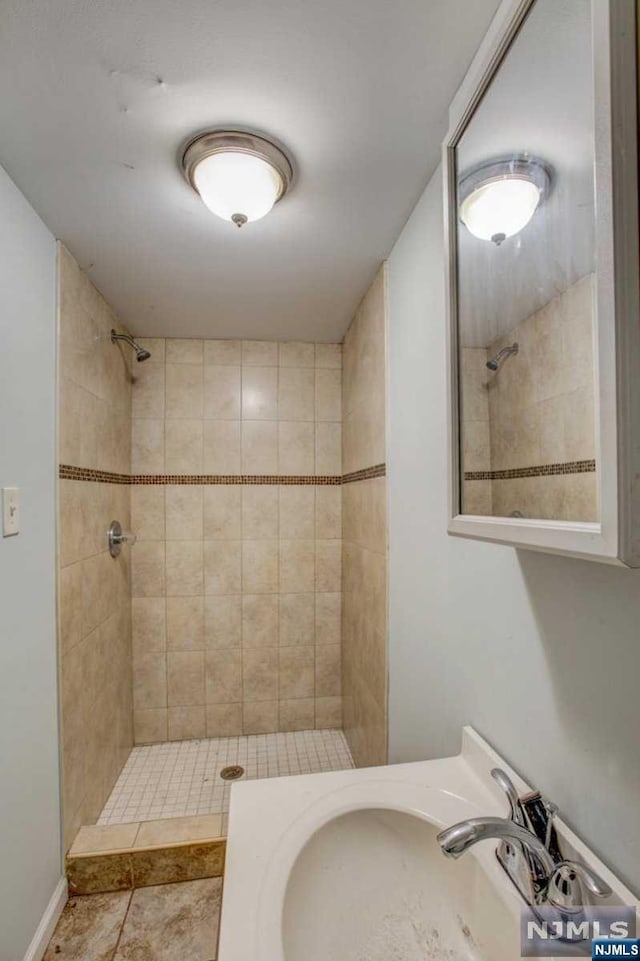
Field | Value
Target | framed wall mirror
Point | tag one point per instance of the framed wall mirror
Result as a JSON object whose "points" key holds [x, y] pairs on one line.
{"points": [[541, 223]]}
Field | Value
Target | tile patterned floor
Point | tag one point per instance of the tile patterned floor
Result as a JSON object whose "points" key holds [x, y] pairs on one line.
{"points": [[182, 778], [172, 922]]}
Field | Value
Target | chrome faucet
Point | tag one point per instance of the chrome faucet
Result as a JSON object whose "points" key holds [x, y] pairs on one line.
{"points": [[540, 878]]}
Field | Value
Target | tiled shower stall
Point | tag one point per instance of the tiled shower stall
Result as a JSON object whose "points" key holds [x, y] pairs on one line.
{"points": [[254, 599]]}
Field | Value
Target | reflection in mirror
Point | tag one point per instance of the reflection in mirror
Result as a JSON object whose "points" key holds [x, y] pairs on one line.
{"points": [[525, 275]]}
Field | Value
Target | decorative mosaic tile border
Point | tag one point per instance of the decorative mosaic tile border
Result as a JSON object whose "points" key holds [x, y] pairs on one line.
{"points": [[68, 472], [367, 473], [544, 470]]}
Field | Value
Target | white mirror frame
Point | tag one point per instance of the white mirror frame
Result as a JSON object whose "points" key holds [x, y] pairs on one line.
{"points": [[616, 538]]}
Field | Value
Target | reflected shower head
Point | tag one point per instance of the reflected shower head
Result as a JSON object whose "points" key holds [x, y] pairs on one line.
{"points": [[495, 362], [141, 353]]}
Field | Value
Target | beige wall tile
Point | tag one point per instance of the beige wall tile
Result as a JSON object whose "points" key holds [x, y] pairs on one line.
{"points": [[148, 569], [185, 678], [296, 447], [328, 713], [184, 351], [297, 672], [147, 446], [148, 625], [95, 404], [260, 674], [222, 447], [259, 512], [260, 566], [296, 354], [185, 624], [296, 391], [297, 566], [186, 723], [223, 621], [223, 677], [71, 610], [328, 512], [224, 720], [296, 507], [328, 668], [149, 681], [150, 726], [328, 566], [147, 512], [297, 714], [260, 620], [259, 447], [222, 512], [579, 424], [260, 717], [259, 353], [329, 355], [185, 568], [147, 398], [260, 393], [184, 512], [477, 498], [328, 449], [183, 391], [328, 395], [328, 618], [222, 392], [222, 567], [297, 625], [219, 352], [183, 446]]}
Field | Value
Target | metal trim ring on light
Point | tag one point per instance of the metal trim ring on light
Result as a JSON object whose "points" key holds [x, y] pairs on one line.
{"points": [[514, 167], [236, 141]]}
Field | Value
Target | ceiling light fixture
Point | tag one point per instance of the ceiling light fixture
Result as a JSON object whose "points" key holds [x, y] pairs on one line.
{"points": [[238, 175], [498, 199]]}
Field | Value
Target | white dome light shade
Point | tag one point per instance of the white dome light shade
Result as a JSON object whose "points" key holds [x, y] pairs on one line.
{"points": [[237, 184], [503, 207], [239, 176], [499, 199]]}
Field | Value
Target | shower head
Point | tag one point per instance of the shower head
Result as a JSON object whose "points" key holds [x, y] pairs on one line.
{"points": [[495, 362], [141, 353]]}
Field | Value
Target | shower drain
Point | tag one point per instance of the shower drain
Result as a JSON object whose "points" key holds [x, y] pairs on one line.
{"points": [[231, 773]]}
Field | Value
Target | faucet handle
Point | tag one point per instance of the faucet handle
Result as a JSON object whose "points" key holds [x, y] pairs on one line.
{"points": [[503, 780], [568, 881]]}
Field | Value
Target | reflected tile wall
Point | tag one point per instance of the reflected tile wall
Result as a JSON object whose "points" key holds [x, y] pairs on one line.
{"points": [[237, 590], [364, 519], [94, 594], [539, 408]]}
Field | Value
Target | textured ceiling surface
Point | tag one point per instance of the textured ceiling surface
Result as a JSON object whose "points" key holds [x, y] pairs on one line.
{"points": [[96, 100]]}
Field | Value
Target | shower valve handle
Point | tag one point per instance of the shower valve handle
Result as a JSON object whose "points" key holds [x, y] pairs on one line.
{"points": [[117, 537]]}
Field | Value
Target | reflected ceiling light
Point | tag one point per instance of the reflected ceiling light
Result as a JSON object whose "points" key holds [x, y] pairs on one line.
{"points": [[238, 175], [499, 198]]}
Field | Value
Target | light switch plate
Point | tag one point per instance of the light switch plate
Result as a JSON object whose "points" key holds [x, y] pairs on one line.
{"points": [[10, 511]]}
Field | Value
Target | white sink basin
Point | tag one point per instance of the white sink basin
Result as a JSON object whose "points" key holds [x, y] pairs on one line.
{"points": [[373, 885], [345, 866]]}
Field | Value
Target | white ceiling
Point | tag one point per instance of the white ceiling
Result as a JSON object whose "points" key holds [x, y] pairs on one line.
{"points": [[96, 99]]}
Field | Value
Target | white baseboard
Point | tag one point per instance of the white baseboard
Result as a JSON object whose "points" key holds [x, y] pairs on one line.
{"points": [[45, 929]]}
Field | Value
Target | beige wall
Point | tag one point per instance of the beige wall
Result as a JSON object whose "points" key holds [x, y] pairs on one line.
{"points": [[364, 620], [537, 409], [236, 588], [94, 594]]}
